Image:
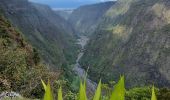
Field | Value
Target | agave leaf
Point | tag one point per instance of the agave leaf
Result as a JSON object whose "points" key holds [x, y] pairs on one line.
{"points": [[98, 92], [82, 91], [60, 94], [44, 85], [119, 90], [48, 93], [153, 94], [85, 77]]}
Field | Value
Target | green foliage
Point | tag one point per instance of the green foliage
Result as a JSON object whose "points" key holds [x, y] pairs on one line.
{"points": [[21, 68], [71, 96], [119, 90], [98, 92], [139, 93], [44, 85], [164, 94], [36, 56], [143, 93], [82, 91], [75, 83], [153, 94], [117, 94], [60, 96], [48, 93]]}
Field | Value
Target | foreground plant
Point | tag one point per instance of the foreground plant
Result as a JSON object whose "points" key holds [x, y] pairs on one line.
{"points": [[117, 94], [153, 94], [82, 91], [60, 97], [119, 90], [48, 93], [98, 92]]}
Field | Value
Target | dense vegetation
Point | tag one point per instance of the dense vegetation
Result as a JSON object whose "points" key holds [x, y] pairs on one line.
{"points": [[50, 34], [130, 37], [118, 92], [47, 32], [133, 39], [20, 65]]}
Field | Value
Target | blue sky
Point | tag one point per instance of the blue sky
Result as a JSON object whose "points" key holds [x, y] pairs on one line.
{"points": [[67, 3]]}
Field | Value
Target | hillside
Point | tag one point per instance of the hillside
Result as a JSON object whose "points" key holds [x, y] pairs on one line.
{"points": [[44, 29], [21, 67], [132, 39], [55, 18], [86, 18]]}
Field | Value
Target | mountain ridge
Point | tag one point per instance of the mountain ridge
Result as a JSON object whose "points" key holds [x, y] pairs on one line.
{"points": [[132, 43], [40, 27], [21, 66], [86, 18]]}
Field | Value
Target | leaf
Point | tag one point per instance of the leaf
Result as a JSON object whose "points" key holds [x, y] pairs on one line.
{"points": [[48, 93], [153, 94], [119, 90], [82, 91], [98, 92], [44, 85], [85, 77], [60, 94]]}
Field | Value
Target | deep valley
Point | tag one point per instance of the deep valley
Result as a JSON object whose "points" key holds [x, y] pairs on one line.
{"points": [[101, 41]]}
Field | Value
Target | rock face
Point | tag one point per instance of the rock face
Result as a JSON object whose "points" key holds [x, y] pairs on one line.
{"points": [[86, 18], [132, 39], [42, 27]]}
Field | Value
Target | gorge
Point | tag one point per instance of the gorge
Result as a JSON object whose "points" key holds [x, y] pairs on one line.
{"points": [[91, 86], [96, 41]]}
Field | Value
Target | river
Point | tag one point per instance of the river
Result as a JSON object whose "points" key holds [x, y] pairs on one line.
{"points": [[91, 86]]}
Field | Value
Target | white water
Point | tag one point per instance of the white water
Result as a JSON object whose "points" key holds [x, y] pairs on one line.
{"points": [[91, 86]]}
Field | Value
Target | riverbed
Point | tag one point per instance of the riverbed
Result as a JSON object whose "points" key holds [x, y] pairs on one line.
{"points": [[91, 86]]}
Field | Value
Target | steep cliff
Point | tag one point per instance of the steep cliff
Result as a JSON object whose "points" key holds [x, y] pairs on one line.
{"points": [[86, 18], [48, 32], [133, 39]]}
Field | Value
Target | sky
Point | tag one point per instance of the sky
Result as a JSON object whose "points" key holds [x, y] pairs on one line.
{"points": [[67, 3]]}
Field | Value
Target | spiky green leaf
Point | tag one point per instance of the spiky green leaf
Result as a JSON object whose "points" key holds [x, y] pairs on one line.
{"points": [[48, 93], [98, 92], [119, 90], [153, 94], [60, 94], [82, 91], [44, 85]]}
